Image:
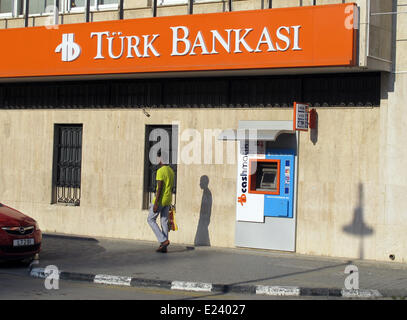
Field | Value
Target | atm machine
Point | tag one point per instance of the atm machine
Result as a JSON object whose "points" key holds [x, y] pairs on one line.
{"points": [[266, 190], [272, 177]]}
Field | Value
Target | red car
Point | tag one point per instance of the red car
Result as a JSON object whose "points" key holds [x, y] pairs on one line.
{"points": [[20, 236]]}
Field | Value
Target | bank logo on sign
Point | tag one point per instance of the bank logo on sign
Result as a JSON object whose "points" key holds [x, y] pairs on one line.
{"points": [[68, 48]]}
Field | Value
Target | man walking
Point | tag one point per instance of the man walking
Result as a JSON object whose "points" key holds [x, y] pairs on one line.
{"points": [[162, 201]]}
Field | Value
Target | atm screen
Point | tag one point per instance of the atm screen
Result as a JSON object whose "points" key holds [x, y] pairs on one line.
{"points": [[269, 177], [265, 178]]}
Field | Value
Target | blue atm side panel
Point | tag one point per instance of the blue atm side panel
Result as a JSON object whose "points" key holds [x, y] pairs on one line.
{"points": [[281, 205]]}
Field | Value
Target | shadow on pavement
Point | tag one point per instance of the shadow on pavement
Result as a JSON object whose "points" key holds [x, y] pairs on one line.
{"points": [[55, 249], [290, 274], [97, 255], [254, 281], [179, 249], [13, 264]]}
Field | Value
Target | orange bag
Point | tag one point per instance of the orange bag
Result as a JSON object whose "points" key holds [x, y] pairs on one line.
{"points": [[172, 224]]}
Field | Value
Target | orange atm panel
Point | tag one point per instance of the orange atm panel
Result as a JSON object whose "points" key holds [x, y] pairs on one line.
{"points": [[266, 176]]}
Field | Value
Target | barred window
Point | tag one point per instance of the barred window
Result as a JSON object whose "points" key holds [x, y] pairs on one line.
{"points": [[39, 6], [67, 164], [159, 138], [11, 7], [6, 6], [94, 4]]}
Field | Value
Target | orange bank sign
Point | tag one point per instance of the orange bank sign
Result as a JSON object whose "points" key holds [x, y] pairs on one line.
{"points": [[274, 38]]}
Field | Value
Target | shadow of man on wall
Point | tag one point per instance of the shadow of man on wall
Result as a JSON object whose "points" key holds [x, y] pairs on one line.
{"points": [[202, 232]]}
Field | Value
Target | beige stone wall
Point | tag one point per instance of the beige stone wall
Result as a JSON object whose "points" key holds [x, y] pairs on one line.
{"points": [[340, 194], [112, 173], [393, 141], [339, 176]]}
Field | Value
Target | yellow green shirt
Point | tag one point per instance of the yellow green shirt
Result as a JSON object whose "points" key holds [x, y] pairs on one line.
{"points": [[166, 175]]}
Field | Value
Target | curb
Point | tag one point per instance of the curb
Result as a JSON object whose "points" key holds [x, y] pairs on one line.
{"points": [[287, 291]]}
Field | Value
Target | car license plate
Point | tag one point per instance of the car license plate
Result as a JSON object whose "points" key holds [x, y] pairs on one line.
{"points": [[23, 242]]}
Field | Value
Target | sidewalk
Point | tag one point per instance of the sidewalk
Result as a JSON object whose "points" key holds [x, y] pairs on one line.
{"points": [[130, 262]]}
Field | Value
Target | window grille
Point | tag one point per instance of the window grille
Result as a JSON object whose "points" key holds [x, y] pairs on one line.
{"points": [[67, 164]]}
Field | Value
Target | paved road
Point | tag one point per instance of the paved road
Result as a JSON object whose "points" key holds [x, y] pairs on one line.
{"points": [[15, 284]]}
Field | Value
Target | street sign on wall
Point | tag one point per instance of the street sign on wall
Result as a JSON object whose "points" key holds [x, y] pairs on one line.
{"points": [[300, 116]]}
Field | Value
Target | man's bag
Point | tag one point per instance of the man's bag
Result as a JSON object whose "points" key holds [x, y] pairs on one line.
{"points": [[172, 224]]}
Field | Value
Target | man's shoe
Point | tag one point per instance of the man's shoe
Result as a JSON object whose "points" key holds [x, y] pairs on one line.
{"points": [[163, 246]]}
